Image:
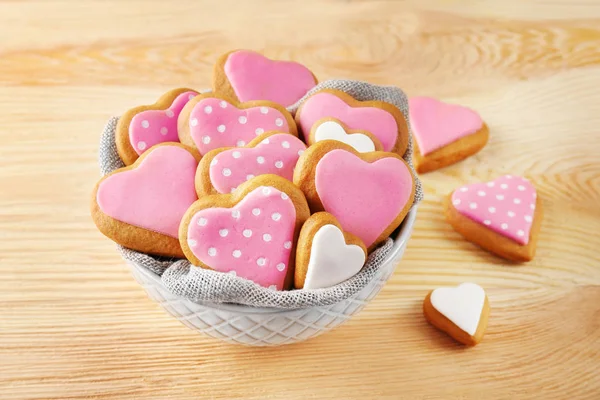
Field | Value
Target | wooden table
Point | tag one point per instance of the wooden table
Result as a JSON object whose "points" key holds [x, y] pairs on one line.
{"points": [[74, 324]]}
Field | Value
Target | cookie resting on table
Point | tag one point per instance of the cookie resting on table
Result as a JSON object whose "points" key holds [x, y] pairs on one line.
{"points": [[462, 312], [502, 216], [444, 133]]}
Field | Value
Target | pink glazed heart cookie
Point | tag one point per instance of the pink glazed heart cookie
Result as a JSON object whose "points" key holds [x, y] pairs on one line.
{"points": [[141, 206], [444, 133], [142, 127], [383, 120], [247, 76], [251, 232], [223, 170], [502, 216], [210, 122], [368, 193]]}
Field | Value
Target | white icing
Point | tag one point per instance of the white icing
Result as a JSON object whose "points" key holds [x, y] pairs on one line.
{"points": [[331, 130], [462, 305], [332, 261]]}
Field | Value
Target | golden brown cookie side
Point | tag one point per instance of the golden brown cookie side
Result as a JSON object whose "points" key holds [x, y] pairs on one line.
{"points": [[220, 82]]}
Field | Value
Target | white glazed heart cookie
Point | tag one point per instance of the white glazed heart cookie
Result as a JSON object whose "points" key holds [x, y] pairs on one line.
{"points": [[333, 129], [462, 312], [326, 255]]}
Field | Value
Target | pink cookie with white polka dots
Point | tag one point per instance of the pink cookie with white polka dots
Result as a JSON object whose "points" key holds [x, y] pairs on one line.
{"points": [[142, 127], [210, 122], [251, 233], [502, 216], [223, 170]]}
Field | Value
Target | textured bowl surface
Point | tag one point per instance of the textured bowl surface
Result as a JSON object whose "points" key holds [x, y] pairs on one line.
{"points": [[265, 326]]}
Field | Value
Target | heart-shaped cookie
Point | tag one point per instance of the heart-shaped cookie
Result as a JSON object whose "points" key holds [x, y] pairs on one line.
{"points": [[462, 312], [383, 120], [444, 133], [210, 122], [251, 232], [142, 127], [502, 216], [140, 206], [222, 170], [326, 255], [333, 129], [246, 76], [368, 193]]}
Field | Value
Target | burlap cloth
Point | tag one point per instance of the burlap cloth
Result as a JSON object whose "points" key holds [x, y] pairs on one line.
{"points": [[206, 286]]}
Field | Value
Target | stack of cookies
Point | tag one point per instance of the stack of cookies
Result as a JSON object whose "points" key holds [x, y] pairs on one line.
{"points": [[234, 182]]}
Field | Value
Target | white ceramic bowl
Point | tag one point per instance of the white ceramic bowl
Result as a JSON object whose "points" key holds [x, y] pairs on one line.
{"points": [[269, 326]]}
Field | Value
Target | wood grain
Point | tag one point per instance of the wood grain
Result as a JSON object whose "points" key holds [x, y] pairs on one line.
{"points": [[74, 324]]}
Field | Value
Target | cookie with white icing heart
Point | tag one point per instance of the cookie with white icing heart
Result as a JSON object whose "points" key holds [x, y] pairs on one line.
{"points": [[444, 133], [462, 312], [334, 129], [222, 170], [503, 216], [246, 75], [142, 127], [212, 121], [141, 206], [326, 255], [251, 232], [368, 193], [383, 120]]}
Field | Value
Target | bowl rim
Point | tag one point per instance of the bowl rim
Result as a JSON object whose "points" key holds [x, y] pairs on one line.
{"points": [[400, 236]]}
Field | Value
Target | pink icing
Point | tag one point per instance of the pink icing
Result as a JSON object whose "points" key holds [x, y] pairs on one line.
{"points": [[505, 205], [253, 239], [152, 127], [375, 120], [364, 197], [277, 154], [254, 77], [436, 124], [155, 194], [215, 123]]}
